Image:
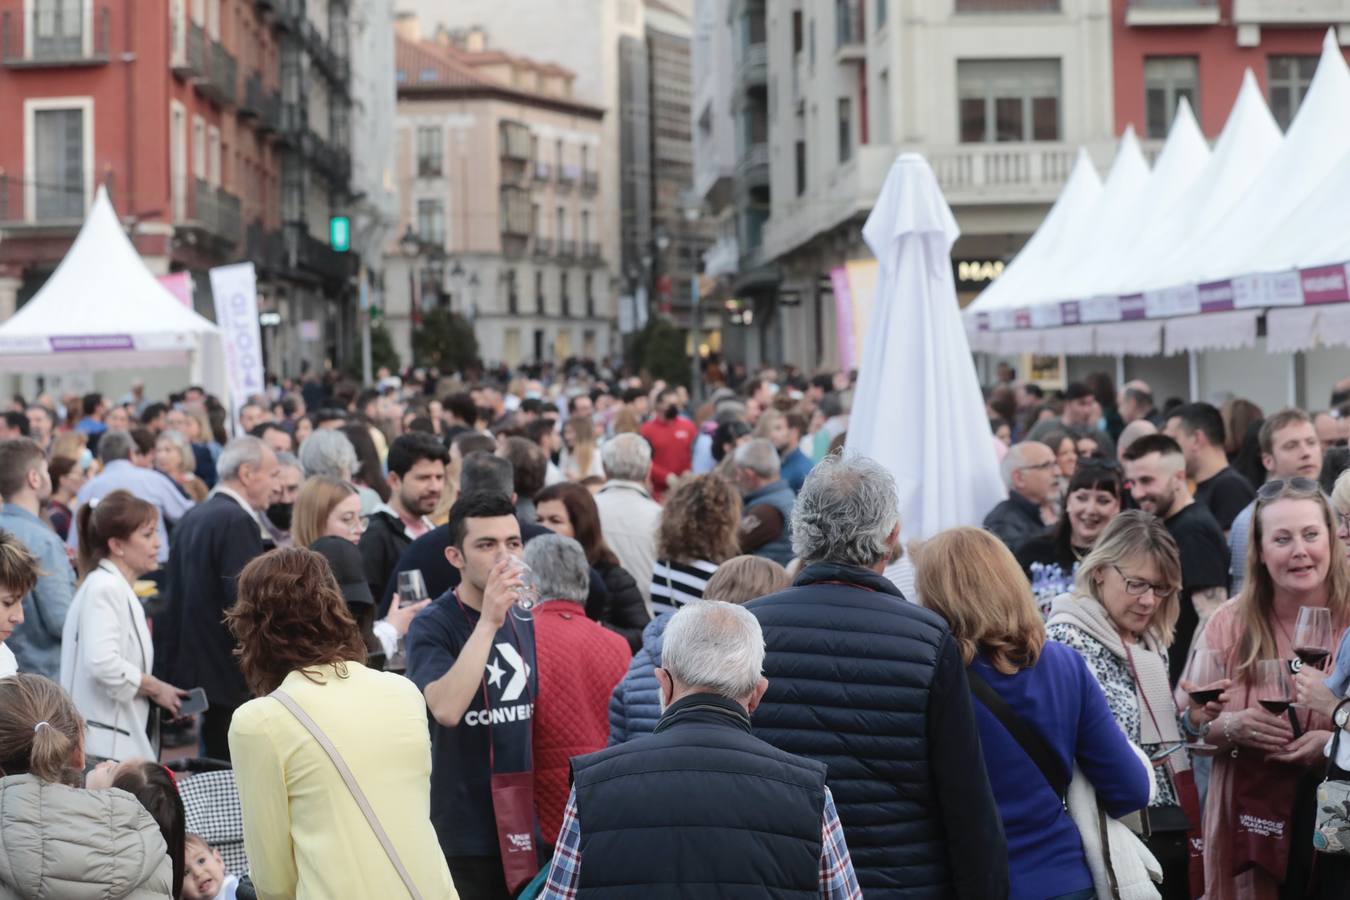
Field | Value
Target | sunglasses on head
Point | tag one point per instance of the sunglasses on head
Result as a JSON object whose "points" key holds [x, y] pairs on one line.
{"points": [[1272, 489]]}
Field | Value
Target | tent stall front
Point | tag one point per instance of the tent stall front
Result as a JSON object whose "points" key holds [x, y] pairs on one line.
{"points": [[102, 309]]}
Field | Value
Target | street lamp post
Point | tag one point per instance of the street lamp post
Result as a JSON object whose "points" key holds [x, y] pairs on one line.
{"points": [[410, 246], [692, 208]]}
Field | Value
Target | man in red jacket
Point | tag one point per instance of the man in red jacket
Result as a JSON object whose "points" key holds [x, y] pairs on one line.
{"points": [[672, 438], [579, 663]]}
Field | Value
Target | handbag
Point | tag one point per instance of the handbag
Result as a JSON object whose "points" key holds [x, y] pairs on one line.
{"points": [[1139, 870], [1331, 826], [358, 795]]}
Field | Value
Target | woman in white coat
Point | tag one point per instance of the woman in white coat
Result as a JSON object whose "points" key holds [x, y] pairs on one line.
{"points": [[106, 654]]}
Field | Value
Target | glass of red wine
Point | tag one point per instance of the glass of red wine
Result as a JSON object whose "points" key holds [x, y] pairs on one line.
{"points": [[1274, 687], [1312, 636], [1205, 672]]}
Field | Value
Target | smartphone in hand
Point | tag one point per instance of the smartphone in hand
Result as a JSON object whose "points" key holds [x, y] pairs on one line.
{"points": [[193, 703]]}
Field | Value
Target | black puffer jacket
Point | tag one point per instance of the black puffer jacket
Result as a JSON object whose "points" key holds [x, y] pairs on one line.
{"points": [[874, 687], [624, 611]]}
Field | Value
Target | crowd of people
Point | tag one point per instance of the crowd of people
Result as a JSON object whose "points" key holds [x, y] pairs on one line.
{"points": [[565, 634]]}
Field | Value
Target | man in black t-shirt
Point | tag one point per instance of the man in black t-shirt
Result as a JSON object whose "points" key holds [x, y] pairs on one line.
{"points": [[475, 665], [1157, 470], [1198, 430]]}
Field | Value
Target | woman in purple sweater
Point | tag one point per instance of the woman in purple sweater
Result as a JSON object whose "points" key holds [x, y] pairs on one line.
{"points": [[970, 578]]}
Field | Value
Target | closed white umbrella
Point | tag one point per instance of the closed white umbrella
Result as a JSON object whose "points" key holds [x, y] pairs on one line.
{"points": [[917, 408]]}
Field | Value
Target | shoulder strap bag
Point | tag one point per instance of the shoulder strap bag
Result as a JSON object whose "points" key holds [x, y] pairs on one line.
{"points": [[1331, 830], [358, 795], [1027, 737]]}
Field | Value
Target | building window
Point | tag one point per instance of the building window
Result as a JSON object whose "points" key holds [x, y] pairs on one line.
{"points": [[590, 295], [562, 293], [880, 14], [58, 164], [798, 38], [845, 129], [1166, 80], [801, 167], [512, 298], [539, 292], [430, 151], [882, 119], [585, 226], [811, 42], [558, 153], [431, 222], [213, 156], [561, 233], [1288, 81], [1008, 100], [199, 147]]}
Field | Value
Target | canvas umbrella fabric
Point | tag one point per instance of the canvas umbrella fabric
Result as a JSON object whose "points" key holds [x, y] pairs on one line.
{"points": [[917, 408]]}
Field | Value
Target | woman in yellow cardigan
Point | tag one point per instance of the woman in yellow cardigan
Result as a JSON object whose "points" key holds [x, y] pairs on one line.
{"points": [[305, 834]]}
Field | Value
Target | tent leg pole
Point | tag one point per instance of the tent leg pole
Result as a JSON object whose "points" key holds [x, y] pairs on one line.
{"points": [[1193, 373], [1120, 371], [1292, 398]]}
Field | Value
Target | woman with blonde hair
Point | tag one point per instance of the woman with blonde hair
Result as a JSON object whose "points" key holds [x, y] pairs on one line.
{"points": [[580, 456], [1120, 619], [635, 705], [698, 531], [967, 576], [1294, 560], [326, 507], [174, 457]]}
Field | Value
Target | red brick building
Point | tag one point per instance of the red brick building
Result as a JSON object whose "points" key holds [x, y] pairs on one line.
{"points": [[189, 111], [1166, 49]]}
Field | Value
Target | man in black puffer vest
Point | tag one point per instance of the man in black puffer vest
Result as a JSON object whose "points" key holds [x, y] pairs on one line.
{"points": [[874, 688], [727, 815]]}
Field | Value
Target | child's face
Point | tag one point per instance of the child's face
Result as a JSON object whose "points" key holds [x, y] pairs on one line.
{"points": [[204, 872]]}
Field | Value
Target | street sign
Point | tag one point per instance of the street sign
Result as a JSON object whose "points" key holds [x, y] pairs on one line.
{"points": [[340, 233]]}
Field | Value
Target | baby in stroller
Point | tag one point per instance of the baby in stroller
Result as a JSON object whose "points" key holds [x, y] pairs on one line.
{"points": [[204, 872]]}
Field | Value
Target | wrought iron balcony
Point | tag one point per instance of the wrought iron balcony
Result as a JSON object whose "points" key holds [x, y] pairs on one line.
{"points": [[314, 256], [53, 34], [265, 249], [543, 171], [251, 101], [215, 212], [24, 204], [590, 181], [1006, 6], [567, 177], [221, 83], [1172, 12], [590, 251], [567, 249], [543, 246], [752, 67]]}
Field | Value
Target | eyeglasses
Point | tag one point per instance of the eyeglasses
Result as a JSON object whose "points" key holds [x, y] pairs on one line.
{"points": [[1049, 463], [1272, 489], [356, 524], [1342, 521], [1137, 587]]}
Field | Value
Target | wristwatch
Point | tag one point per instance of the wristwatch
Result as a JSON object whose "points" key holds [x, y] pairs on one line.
{"points": [[1342, 714]]}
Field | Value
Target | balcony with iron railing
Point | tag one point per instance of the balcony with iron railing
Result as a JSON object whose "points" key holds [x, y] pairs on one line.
{"points": [[1168, 13], [292, 122], [1291, 12], [752, 168], [590, 251], [543, 247], [327, 157], [567, 249], [314, 256], [265, 249], [216, 212], [55, 34], [543, 172], [251, 98], [590, 181], [333, 65], [42, 205], [194, 62], [567, 177], [289, 15], [849, 33], [221, 83], [752, 67]]}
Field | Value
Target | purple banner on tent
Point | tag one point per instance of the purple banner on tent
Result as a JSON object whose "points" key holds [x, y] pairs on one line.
{"points": [[1324, 284], [1216, 296], [75, 343], [1132, 306], [982, 321], [1022, 318], [1070, 312]]}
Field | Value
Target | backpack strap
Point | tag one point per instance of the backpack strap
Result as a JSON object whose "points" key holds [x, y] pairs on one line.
{"points": [[1022, 731]]}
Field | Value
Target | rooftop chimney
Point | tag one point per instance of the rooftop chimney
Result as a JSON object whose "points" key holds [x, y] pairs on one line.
{"points": [[407, 27]]}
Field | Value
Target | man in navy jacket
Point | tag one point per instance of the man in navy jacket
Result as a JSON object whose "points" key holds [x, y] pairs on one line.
{"points": [[874, 687]]}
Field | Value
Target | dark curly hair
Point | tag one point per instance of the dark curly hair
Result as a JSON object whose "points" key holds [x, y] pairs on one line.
{"points": [[289, 617], [700, 521]]}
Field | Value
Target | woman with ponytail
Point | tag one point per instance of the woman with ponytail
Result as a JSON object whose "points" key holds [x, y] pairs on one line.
{"points": [[106, 654], [61, 840]]}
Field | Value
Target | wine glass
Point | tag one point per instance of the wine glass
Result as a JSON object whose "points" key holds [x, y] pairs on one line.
{"points": [[412, 587], [1274, 687], [1205, 671], [1312, 637], [527, 595]]}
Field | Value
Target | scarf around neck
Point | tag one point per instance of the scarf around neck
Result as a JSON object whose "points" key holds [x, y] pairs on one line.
{"points": [[1147, 661]]}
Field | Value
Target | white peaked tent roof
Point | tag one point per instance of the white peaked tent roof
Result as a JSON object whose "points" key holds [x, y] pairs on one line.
{"points": [[1183, 158], [1315, 233], [103, 309], [1249, 139], [1314, 145], [1066, 219], [1108, 224]]}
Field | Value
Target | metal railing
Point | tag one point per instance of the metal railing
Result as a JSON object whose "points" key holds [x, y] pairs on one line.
{"points": [[753, 165], [1006, 6], [567, 249], [316, 256], [252, 99], [848, 23], [542, 171], [543, 246], [590, 250], [65, 33], [222, 77], [752, 67], [590, 181], [265, 249], [215, 211], [25, 203], [567, 177]]}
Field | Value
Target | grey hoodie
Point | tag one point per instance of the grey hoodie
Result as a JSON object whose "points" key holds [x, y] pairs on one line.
{"points": [[64, 843]]}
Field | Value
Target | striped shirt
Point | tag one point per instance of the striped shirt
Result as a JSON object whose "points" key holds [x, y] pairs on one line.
{"points": [[676, 583]]}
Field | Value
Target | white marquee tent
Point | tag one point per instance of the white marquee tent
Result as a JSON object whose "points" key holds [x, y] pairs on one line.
{"points": [[103, 309], [1191, 256]]}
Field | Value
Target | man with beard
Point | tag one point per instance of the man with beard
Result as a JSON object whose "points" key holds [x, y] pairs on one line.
{"points": [[416, 479], [1157, 469]]}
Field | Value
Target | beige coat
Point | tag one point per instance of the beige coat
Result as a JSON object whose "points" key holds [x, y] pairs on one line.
{"points": [[59, 841]]}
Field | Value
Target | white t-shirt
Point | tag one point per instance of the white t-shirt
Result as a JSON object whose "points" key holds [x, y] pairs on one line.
{"points": [[8, 664]]}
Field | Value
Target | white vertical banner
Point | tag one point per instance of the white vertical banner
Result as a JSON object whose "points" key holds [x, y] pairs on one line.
{"points": [[235, 290]]}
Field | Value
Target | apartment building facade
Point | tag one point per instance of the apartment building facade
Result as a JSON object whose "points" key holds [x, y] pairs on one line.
{"points": [[498, 171], [220, 129]]}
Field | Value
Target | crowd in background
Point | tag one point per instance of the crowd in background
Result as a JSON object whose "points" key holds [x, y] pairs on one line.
{"points": [[485, 636]]}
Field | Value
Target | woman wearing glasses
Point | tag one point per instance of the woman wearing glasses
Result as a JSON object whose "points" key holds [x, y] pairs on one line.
{"points": [[1093, 500], [326, 507], [1120, 619], [1294, 560]]}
